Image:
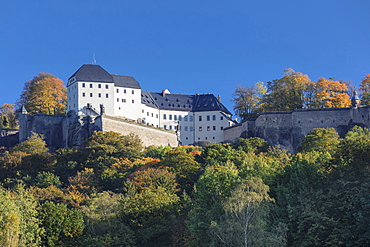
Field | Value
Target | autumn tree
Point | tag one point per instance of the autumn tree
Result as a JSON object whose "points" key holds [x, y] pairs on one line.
{"points": [[8, 116], [286, 93], [365, 89], [247, 100], [44, 94], [330, 93]]}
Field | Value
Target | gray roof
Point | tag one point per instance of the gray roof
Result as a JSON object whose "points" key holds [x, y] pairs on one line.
{"points": [[95, 73], [182, 102], [125, 81]]}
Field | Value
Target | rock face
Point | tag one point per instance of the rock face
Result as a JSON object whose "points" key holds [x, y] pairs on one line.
{"points": [[72, 131], [288, 129]]}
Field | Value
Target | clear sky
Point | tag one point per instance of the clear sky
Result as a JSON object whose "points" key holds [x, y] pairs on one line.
{"points": [[192, 46]]}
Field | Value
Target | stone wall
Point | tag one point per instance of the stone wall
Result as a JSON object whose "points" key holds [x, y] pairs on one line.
{"points": [[288, 129], [149, 135], [72, 131]]}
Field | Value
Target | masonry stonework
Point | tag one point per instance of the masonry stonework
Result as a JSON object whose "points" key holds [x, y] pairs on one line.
{"points": [[287, 129]]}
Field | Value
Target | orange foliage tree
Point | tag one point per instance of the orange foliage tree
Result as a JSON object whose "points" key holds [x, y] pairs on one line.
{"points": [[329, 93], [44, 94]]}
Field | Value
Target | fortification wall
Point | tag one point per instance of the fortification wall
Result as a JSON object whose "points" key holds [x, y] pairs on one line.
{"points": [[50, 126], [71, 130], [288, 129], [149, 136]]}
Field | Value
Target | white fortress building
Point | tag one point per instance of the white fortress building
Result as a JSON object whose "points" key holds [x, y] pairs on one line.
{"points": [[196, 118]]}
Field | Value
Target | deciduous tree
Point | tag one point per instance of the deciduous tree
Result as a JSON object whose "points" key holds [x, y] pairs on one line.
{"points": [[44, 94]]}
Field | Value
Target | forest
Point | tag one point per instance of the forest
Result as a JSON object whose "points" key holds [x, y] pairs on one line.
{"points": [[115, 192]]}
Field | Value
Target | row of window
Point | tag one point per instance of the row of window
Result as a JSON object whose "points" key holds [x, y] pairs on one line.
{"points": [[208, 117], [191, 128], [124, 101], [208, 128], [175, 117], [99, 85], [92, 95], [124, 91]]}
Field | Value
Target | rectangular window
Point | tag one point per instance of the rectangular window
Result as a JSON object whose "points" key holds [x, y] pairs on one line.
{"points": [[83, 84], [174, 117], [191, 128], [200, 118], [156, 115], [170, 117], [186, 128], [133, 101], [200, 128], [222, 128], [170, 127], [107, 87], [99, 95], [117, 90], [124, 90], [147, 114], [208, 128], [208, 118], [90, 85], [106, 95], [117, 99], [91, 94], [221, 118], [214, 127], [83, 94], [180, 118], [191, 118], [99, 85], [214, 117], [185, 118], [123, 100], [165, 127], [133, 91], [175, 127], [152, 115], [164, 116]]}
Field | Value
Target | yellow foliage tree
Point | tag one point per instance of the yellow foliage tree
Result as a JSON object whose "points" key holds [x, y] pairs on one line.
{"points": [[329, 93], [44, 94]]}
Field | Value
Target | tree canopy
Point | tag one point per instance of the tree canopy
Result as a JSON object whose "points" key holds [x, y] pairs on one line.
{"points": [[44, 94]]}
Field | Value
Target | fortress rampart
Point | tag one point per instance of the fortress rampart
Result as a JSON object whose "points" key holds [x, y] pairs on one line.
{"points": [[288, 129], [72, 131]]}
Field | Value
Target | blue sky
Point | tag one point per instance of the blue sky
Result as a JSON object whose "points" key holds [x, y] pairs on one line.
{"points": [[186, 46]]}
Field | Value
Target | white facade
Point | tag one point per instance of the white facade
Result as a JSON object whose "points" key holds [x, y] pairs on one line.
{"points": [[169, 111]]}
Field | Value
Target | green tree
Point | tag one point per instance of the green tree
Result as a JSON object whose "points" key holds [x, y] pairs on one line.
{"points": [[247, 100], [44, 94], [62, 225], [212, 189], [102, 221], [184, 166], [114, 144], [18, 218], [320, 139], [287, 93], [33, 145], [45, 179], [8, 116], [244, 222], [365, 89]]}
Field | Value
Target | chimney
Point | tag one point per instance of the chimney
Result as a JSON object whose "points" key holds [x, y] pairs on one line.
{"points": [[219, 98], [163, 93]]}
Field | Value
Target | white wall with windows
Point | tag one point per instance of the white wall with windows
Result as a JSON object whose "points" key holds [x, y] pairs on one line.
{"points": [[209, 126], [127, 102]]}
